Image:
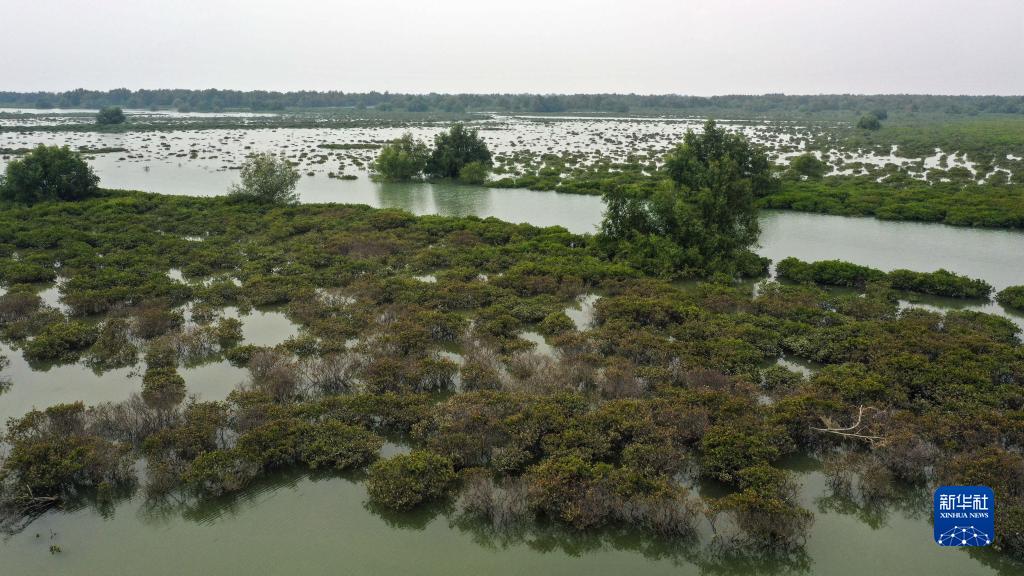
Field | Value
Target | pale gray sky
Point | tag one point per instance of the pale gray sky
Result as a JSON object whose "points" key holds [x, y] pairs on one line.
{"points": [[643, 46]]}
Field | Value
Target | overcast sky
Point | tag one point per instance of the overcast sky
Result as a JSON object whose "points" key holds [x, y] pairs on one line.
{"points": [[565, 46]]}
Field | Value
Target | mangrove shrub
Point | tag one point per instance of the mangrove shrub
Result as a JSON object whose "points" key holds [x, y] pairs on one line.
{"points": [[48, 173]]}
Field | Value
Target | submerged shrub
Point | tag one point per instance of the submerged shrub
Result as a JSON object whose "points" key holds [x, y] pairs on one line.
{"points": [[154, 318], [17, 305], [162, 388], [830, 272], [503, 505], [404, 481], [1012, 297], [61, 342], [220, 472], [588, 494], [556, 323], [5, 382], [940, 283], [730, 447], [339, 446], [114, 347], [53, 455], [764, 513]]}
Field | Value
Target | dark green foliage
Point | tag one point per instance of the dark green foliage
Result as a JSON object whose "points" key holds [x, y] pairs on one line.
{"points": [[339, 446], [109, 116], [5, 382], [669, 379], [1000, 470], [455, 149], [809, 166], [114, 347], [950, 203], [473, 173], [728, 448], [54, 455], [162, 388], [726, 163], [48, 173], [267, 179], [402, 159], [1012, 297], [706, 223], [556, 323], [587, 495], [404, 481], [219, 472], [840, 273], [869, 122], [764, 511], [831, 272], [939, 283], [61, 342], [19, 272], [281, 442]]}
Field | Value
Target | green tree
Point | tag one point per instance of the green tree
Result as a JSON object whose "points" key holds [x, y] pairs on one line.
{"points": [[402, 159], [808, 165], [705, 221], [869, 122], [455, 149], [48, 173], [110, 115], [268, 179]]}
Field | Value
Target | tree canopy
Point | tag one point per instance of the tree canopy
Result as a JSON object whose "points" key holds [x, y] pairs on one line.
{"points": [[110, 115], [48, 173], [869, 122], [402, 159], [456, 148], [268, 179], [704, 220], [808, 165]]}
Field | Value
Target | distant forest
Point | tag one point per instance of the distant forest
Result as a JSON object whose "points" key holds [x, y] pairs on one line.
{"points": [[768, 104]]}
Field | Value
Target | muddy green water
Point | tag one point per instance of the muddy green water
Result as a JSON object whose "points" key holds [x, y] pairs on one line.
{"points": [[304, 525]]}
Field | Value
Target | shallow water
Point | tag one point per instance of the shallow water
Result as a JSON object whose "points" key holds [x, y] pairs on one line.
{"points": [[40, 387], [306, 525], [317, 525]]}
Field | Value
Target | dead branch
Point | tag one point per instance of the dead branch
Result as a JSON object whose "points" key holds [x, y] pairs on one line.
{"points": [[852, 431]]}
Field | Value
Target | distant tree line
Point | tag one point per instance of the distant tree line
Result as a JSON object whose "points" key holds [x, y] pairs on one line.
{"points": [[213, 100]]}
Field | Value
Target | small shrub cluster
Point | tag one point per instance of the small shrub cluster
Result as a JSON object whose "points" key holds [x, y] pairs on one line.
{"points": [[840, 273]]}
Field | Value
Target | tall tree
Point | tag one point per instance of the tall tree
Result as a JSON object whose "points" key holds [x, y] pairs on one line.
{"points": [[456, 148], [704, 219]]}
